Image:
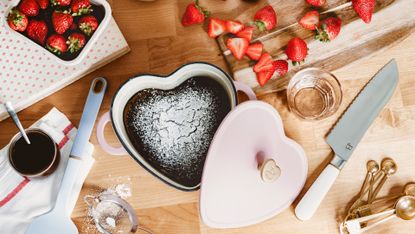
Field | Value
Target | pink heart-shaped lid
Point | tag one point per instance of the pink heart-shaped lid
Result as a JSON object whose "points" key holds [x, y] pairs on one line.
{"points": [[234, 192]]}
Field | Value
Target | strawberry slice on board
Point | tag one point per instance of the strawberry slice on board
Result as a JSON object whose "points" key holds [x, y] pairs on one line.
{"points": [[264, 63], [265, 18], [264, 76], [281, 67], [254, 50], [246, 33], [194, 14], [233, 26], [316, 3], [237, 46], [216, 27], [364, 8], [310, 20]]}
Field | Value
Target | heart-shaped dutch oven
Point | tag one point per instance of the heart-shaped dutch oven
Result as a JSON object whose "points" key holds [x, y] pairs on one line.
{"points": [[166, 123], [252, 171]]}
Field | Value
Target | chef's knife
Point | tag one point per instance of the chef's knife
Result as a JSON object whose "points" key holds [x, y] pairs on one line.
{"points": [[348, 132]]}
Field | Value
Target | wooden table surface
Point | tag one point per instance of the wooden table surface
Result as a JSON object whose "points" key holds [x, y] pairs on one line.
{"points": [[159, 44]]}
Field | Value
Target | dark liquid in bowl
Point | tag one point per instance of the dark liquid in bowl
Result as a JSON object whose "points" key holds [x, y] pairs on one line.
{"points": [[172, 129], [34, 158]]}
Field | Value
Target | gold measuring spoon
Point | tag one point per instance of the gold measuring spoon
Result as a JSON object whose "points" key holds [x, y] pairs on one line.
{"points": [[371, 167], [404, 209], [409, 189], [389, 168]]}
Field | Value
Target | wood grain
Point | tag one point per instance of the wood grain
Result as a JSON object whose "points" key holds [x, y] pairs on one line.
{"points": [[167, 210]]}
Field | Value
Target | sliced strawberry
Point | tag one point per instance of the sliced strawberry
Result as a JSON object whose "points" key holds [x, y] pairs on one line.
{"points": [[216, 27], [234, 26], [364, 8], [264, 63], [254, 51], [264, 77], [310, 20], [246, 33], [316, 3], [237, 46], [280, 66]]}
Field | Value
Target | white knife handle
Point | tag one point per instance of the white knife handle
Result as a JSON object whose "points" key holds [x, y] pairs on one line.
{"points": [[318, 190]]}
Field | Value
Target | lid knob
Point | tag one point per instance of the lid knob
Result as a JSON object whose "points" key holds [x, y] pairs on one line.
{"points": [[269, 170]]}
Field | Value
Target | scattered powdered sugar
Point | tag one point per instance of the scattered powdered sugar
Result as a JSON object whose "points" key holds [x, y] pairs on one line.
{"points": [[174, 128], [123, 190]]}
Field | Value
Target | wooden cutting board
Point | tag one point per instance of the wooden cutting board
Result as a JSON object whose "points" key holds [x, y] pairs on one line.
{"points": [[392, 21]]}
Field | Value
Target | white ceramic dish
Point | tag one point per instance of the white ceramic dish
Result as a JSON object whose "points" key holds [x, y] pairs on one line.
{"points": [[234, 192], [102, 26], [136, 84]]}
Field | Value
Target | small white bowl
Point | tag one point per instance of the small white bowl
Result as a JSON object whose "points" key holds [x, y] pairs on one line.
{"points": [[102, 26]]}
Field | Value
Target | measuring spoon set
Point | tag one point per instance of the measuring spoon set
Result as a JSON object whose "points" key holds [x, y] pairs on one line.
{"points": [[368, 211]]}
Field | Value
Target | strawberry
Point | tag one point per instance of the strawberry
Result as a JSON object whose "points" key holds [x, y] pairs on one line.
{"points": [[237, 46], [216, 27], [364, 8], [37, 31], [61, 21], [316, 3], [254, 51], [76, 41], [246, 33], [264, 77], [264, 63], [29, 7], [17, 20], [265, 18], [43, 4], [88, 24], [80, 7], [234, 26], [310, 20], [56, 44], [328, 29], [60, 2], [296, 50], [281, 67], [194, 14]]}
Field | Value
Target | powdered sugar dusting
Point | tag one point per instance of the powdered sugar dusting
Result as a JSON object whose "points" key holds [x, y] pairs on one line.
{"points": [[175, 127]]}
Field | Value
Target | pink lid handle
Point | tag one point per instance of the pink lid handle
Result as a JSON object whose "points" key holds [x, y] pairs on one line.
{"points": [[246, 89], [101, 139]]}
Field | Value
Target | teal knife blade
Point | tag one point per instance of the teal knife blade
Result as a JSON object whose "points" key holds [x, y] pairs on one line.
{"points": [[352, 126]]}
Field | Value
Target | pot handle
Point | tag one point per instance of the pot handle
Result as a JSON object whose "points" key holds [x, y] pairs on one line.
{"points": [[101, 138], [240, 86]]}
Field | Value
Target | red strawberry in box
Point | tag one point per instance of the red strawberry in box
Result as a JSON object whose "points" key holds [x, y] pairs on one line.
{"points": [[17, 20], [56, 44], [61, 21], [81, 7], [43, 4], [75, 42], [88, 24], [29, 7], [37, 30], [60, 2]]}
